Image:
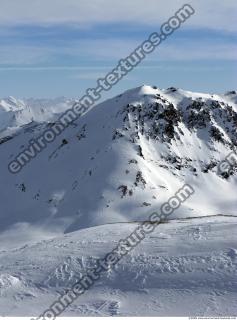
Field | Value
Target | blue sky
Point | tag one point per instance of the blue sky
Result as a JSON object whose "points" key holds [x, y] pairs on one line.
{"points": [[54, 48]]}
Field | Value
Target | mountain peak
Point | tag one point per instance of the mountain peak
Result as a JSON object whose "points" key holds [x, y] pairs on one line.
{"points": [[129, 154]]}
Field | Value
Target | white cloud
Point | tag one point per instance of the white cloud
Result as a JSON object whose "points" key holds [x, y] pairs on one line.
{"points": [[193, 49], [213, 14], [109, 51], [197, 51], [28, 54], [88, 75], [24, 54], [96, 75]]}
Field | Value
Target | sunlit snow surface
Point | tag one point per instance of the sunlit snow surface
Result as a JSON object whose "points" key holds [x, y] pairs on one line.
{"points": [[74, 201], [183, 268]]}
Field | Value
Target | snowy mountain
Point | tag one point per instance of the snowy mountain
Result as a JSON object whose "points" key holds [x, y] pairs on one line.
{"points": [[103, 175], [15, 113], [119, 162]]}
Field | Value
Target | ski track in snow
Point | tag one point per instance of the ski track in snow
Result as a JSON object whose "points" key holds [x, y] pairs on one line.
{"points": [[169, 273]]}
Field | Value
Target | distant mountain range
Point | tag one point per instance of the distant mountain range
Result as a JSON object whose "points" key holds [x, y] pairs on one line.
{"points": [[15, 113]]}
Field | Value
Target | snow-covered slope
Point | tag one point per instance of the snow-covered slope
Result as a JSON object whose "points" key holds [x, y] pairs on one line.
{"points": [[120, 162], [15, 113], [184, 268]]}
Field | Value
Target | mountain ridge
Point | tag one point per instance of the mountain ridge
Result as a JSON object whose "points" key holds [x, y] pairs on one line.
{"points": [[120, 161]]}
